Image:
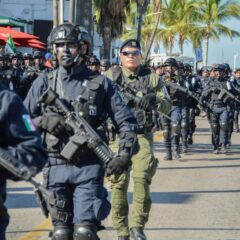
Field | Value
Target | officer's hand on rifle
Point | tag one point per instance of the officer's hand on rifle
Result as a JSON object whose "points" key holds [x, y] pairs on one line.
{"points": [[51, 122], [147, 101], [118, 165]]}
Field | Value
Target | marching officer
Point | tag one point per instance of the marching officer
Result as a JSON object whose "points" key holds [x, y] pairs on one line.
{"points": [[79, 180]]}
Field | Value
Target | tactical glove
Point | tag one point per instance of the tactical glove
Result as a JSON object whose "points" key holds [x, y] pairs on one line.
{"points": [[147, 101], [118, 165], [51, 122]]}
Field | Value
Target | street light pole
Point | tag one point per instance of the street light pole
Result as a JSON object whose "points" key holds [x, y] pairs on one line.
{"points": [[235, 61]]}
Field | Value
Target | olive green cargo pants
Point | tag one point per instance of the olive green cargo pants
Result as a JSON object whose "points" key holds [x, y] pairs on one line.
{"points": [[144, 166]]}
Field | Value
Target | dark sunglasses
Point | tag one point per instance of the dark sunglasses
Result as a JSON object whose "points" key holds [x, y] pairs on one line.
{"points": [[133, 53]]}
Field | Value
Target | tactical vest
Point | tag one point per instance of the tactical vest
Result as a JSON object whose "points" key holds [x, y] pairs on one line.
{"points": [[215, 94], [88, 104], [139, 85]]}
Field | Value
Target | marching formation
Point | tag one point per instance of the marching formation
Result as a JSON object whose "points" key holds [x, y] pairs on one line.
{"points": [[97, 119]]}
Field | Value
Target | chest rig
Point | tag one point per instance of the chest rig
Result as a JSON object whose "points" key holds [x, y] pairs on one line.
{"points": [[88, 103], [137, 87]]}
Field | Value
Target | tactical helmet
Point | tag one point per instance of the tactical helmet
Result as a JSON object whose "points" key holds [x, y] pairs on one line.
{"points": [[64, 33], [204, 69], [171, 62], [187, 66], [27, 56], [227, 67], [180, 65], [37, 54], [219, 67], [105, 63], [17, 55]]}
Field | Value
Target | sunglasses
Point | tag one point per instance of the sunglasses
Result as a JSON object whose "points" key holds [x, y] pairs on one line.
{"points": [[133, 53]]}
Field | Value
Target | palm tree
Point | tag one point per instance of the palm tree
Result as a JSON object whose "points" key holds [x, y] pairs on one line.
{"points": [[110, 17], [211, 15]]}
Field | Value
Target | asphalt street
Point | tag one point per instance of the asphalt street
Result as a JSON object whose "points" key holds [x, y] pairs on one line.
{"points": [[194, 198]]}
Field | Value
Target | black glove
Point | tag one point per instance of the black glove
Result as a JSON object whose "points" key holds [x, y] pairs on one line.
{"points": [[118, 165], [147, 101], [51, 122]]}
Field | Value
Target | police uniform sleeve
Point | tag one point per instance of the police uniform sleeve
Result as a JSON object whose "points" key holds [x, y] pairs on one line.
{"points": [[31, 101], [162, 96], [20, 136]]}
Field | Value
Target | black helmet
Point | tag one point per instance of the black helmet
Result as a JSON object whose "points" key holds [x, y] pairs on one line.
{"points": [[37, 54], [64, 33], [17, 55], [227, 67], [171, 62], [187, 66], [180, 65], [219, 67], [205, 69], [27, 56], [105, 63]]}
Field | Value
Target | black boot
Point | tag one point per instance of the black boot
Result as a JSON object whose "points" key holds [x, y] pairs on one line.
{"points": [[190, 140], [168, 155], [123, 238], [137, 233]]}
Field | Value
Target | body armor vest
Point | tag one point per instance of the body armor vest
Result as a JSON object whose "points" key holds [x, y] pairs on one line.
{"points": [[139, 87]]}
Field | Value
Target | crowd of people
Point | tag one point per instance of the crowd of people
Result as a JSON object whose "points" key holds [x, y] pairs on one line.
{"points": [[123, 103]]}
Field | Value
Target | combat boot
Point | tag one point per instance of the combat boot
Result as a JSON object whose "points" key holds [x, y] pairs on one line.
{"points": [[176, 154], [190, 140], [216, 150], [137, 233], [223, 149], [168, 155], [123, 238]]}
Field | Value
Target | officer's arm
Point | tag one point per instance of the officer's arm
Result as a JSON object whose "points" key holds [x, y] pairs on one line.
{"points": [[163, 98], [31, 100], [20, 136]]}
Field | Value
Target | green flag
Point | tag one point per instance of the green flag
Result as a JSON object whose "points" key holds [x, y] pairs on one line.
{"points": [[10, 47]]}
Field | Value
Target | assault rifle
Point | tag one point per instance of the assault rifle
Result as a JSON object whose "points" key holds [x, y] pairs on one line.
{"points": [[130, 93], [84, 134], [20, 170], [205, 107], [224, 92]]}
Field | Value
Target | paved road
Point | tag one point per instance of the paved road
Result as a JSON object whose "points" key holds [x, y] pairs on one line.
{"points": [[195, 198]]}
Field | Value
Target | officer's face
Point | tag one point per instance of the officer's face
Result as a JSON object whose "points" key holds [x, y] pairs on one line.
{"points": [[131, 58], [237, 74], [170, 70], [1, 63], [159, 71], [26, 62], [205, 74], [15, 62], [67, 53]]}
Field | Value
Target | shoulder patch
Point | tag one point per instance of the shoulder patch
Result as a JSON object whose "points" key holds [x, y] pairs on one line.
{"points": [[28, 123]]}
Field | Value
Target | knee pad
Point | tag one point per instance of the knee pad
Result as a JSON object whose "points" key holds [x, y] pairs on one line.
{"points": [[62, 233], [85, 232], [224, 126], [176, 129], [184, 125], [214, 128]]}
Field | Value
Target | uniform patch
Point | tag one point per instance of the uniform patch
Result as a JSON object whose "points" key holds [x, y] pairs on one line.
{"points": [[28, 123]]}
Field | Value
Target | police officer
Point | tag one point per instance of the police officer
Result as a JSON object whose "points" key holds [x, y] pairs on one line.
{"points": [[220, 107], [147, 86], [20, 138], [172, 128], [80, 179], [237, 109], [93, 64], [38, 60]]}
